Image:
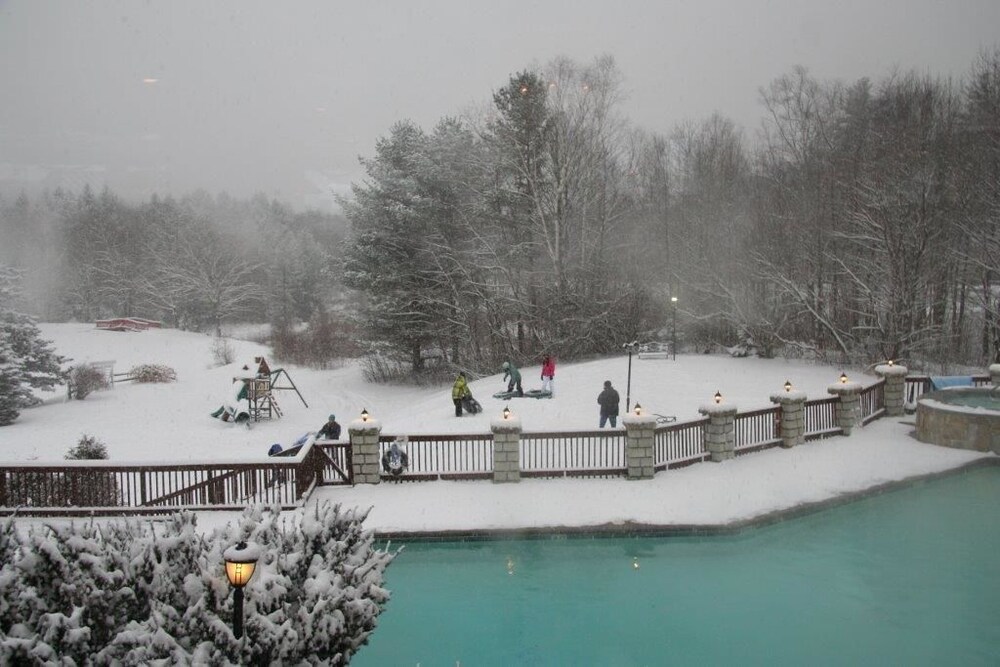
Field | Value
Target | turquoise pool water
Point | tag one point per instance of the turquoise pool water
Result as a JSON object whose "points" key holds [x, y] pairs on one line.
{"points": [[907, 578]]}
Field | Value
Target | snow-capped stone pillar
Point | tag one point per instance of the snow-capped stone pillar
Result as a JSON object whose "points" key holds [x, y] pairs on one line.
{"points": [[720, 434], [894, 393], [793, 416], [995, 374], [364, 450], [849, 407], [639, 429], [506, 449]]}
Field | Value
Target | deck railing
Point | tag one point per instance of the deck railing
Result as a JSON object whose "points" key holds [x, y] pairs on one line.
{"points": [[593, 453], [757, 430], [84, 487], [872, 401], [679, 444], [466, 456], [821, 418], [94, 487]]}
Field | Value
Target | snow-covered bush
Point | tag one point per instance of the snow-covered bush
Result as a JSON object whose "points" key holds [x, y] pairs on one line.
{"points": [[152, 373], [126, 593], [87, 448], [85, 379]]}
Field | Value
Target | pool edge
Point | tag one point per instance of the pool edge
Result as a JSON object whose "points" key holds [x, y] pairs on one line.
{"points": [[631, 529]]}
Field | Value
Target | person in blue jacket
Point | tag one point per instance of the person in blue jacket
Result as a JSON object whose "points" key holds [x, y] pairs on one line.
{"points": [[510, 371]]}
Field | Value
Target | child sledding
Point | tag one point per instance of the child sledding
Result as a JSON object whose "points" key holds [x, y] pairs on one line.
{"points": [[461, 396], [514, 383]]}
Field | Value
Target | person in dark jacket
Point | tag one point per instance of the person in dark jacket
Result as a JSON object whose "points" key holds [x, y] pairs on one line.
{"points": [[511, 371], [608, 400], [395, 461], [330, 430]]}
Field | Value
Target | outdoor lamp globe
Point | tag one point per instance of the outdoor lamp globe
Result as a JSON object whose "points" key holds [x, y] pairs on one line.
{"points": [[241, 561]]}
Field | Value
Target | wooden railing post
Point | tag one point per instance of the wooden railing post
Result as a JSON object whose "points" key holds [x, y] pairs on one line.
{"points": [[720, 433], [639, 430], [364, 451], [506, 449]]}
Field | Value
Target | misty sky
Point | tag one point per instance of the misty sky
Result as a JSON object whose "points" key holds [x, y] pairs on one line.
{"points": [[282, 97]]}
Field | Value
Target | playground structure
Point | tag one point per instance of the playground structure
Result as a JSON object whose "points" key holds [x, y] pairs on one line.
{"points": [[253, 397]]}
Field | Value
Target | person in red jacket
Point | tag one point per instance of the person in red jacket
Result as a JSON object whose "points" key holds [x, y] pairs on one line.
{"points": [[548, 374]]}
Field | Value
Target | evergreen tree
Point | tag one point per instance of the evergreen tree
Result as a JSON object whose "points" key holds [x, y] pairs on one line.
{"points": [[26, 361]]}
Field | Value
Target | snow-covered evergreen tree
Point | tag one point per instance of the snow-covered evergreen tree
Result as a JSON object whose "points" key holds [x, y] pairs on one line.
{"points": [[124, 593], [26, 360]]}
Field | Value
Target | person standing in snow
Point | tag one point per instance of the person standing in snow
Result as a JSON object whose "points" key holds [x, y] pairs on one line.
{"points": [[510, 371], [548, 374], [459, 390], [608, 400], [330, 430]]}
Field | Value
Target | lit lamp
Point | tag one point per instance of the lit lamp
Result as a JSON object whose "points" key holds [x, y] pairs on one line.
{"points": [[891, 363], [788, 385], [364, 414], [638, 410], [241, 561], [506, 412], [718, 397], [843, 378]]}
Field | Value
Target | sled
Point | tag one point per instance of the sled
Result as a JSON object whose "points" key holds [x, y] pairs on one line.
{"points": [[471, 405], [531, 393]]}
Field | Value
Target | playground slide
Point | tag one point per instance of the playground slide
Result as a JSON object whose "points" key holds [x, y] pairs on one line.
{"points": [[236, 408]]}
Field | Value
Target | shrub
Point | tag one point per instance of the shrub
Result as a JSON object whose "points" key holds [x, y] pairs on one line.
{"points": [[119, 593], [87, 448], [148, 373], [85, 379]]}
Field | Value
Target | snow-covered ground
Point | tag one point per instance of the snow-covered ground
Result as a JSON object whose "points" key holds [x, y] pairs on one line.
{"points": [[171, 422]]}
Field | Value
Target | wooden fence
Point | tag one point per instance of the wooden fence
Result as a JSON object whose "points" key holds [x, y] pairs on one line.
{"points": [[468, 456], [579, 453], [85, 487], [94, 487]]}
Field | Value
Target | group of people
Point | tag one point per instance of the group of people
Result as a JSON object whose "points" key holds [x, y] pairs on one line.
{"points": [[395, 460], [608, 399]]}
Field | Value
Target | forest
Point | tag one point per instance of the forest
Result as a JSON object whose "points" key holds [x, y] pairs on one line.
{"points": [[860, 222]]}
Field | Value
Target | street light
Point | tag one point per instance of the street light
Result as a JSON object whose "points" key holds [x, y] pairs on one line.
{"points": [[241, 561], [673, 328], [628, 386]]}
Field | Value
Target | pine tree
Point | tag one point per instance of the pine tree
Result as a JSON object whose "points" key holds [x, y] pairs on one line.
{"points": [[26, 361]]}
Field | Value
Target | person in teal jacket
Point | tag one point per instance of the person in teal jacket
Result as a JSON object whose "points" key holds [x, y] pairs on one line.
{"points": [[510, 371]]}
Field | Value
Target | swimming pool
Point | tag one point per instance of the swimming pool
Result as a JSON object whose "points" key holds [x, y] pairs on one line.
{"points": [[909, 577]]}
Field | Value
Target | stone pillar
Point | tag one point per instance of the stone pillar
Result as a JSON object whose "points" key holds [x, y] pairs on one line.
{"points": [[995, 374], [506, 449], [720, 434], [639, 445], [793, 417], [364, 451], [894, 395], [849, 407]]}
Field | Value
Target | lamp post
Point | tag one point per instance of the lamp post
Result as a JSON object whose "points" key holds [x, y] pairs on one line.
{"points": [[241, 561], [673, 328], [628, 385]]}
